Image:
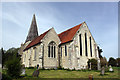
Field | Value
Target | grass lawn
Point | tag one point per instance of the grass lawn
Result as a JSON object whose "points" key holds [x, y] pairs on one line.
{"points": [[66, 74], [72, 74], [1, 70]]}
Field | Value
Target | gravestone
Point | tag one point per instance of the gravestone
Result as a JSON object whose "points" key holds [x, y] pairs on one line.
{"points": [[84, 67], [110, 68], [102, 71], [37, 66], [91, 77], [35, 73], [23, 70], [81, 67], [90, 66]]}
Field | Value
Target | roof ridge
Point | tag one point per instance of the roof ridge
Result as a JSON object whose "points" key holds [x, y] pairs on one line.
{"points": [[70, 28], [68, 35], [45, 32]]}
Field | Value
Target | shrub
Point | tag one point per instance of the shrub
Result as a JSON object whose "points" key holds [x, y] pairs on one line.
{"points": [[30, 67], [93, 64], [6, 77], [14, 67], [60, 68], [118, 62], [103, 62], [8, 55], [43, 68], [112, 61]]}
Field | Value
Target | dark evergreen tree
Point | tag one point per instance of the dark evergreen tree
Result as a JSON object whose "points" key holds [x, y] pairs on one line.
{"points": [[14, 67], [12, 62], [93, 64], [99, 52], [118, 62], [112, 61], [103, 62], [2, 53]]}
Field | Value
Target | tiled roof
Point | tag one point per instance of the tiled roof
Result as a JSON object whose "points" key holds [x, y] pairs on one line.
{"points": [[65, 36], [36, 40], [68, 35]]}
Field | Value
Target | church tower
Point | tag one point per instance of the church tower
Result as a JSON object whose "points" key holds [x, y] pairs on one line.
{"points": [[33, 32]]}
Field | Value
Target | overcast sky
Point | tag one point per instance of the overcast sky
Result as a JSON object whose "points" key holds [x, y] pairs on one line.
{"points": [[101, 18]]}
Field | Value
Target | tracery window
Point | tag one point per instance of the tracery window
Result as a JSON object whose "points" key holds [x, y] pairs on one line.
{"points": [[52, 49]]}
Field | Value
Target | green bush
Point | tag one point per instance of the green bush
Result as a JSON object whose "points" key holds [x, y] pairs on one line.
{"points": [[60, 68], [14, 68], [112, 62], [12, 63], [103, 62], [8, 55], [93, 64], [6, 77], [30, 67], [118, 62]]}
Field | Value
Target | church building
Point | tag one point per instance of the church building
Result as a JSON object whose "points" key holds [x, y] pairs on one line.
{"points": [[70, 49]]}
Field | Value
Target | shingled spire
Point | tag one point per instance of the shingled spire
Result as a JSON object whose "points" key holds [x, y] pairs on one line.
{"points": [[33, 32]]}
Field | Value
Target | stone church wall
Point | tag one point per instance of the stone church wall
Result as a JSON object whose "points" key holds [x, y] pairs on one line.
{"points": [[50, 62], [65, 60], [73, 58]]}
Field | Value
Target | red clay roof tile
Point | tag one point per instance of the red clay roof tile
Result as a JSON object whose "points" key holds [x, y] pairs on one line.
{"points": [[68, 34], [64, 36]]}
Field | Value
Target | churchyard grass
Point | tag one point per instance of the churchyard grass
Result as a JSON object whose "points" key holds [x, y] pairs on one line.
{"points": [[73, 74], [0, 69], [66, 74]]}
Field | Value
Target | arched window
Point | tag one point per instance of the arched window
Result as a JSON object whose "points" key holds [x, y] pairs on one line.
{"points": [[65, 50], [91, 46], [80, 39], [61, 51], [86, 44], [35, 53], [52, 49]]}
